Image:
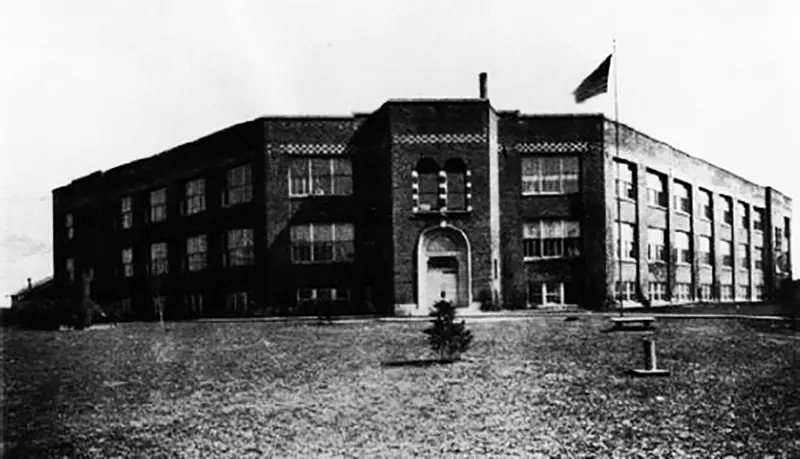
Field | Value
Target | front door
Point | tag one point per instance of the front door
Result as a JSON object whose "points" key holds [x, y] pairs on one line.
{"points": [[442, 278]]}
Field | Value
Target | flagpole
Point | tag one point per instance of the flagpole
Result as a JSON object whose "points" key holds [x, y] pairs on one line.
{"points": [[616, 165]]}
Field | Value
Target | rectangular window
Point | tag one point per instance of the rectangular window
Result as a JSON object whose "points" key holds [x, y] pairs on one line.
{"points": [[239, 190], [727, 210], [127, 262], [657, 291], [683, 247], [704, 252], [550, 175], [778, 239], [743, 292], [323, 243], [126, 212], [705, 291], [336, 295], [194, 304], [626, 290], [237, 303], [656, 189], [758, 219], [627, 241], [158, 205], [70, 265], [69, 225], [158, 259], [682, 199], [625, 181], [196, 250], [551, 239], [656, 244], [195, 201], [726, 292], [545, 293], [758, 257], [726, 249], [759, 292], [239, 247], [320, 177], [706, 205], [683, 291], [744, 256], [744, 212]]}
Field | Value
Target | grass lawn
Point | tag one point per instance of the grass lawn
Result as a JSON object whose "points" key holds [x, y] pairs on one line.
{"points": [[536, 388]]}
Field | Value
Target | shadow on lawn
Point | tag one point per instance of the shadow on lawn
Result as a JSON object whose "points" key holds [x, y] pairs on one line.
{"points": [[419, 363]]}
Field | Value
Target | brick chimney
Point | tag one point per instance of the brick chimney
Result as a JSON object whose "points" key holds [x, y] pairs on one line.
{"points": [[484, 94], [30, 285]]}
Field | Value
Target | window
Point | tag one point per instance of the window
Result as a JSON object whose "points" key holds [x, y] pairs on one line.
{"points": [[626, 290], [69, 225], [544, 293], [759, 292], [744, 212], [306, 296], [744, 256], [426, 176], [656, 189], [320, 176], [726, 249], [239, 186], [705, 255], [237, 303], [726, 292], [158, 205], [682, 198], [705, 291], [551, 239], [70, 265], [549, 175], [706, 206], [322, 243], [683, 247], [758, 219], [126, 212], [627, 241], [778, 240], [656, 244], [158, 259], [683, 291], [195, 196], [194, 304], [625, 182], [196, 250], [657, 291], [727, 210], [240, 247], [758, 257], [127, 262], [743, 292], [456, 184]]}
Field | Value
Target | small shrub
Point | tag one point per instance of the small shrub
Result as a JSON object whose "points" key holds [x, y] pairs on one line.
{"points": [[486, 300], [447, 338]]}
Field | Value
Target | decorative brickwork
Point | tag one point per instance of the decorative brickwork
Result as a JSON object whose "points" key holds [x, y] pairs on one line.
{"points": [[552, 147], [411, 139], [313, 149]]}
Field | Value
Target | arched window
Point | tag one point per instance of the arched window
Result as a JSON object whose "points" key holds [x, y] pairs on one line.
{"points": [[427, 176], [456, 172]]}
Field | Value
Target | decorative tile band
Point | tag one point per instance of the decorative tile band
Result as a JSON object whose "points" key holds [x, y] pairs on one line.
{"points": [[410, 139], [552, 147], [312, 148]]}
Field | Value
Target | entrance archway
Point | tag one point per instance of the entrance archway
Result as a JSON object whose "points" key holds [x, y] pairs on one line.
{"points": [[443, 267]]}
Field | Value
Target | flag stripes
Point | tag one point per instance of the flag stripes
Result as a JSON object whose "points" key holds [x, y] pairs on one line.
{"points": [[594, 84]]}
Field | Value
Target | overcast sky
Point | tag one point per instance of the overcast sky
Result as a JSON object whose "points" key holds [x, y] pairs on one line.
{"points": [[88, 85]]}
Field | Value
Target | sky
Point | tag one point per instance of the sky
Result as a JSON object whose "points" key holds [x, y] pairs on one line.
{"points": [[88, 85]]}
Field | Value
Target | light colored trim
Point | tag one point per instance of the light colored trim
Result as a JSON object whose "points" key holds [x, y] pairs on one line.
{"points": [[422, 262]]}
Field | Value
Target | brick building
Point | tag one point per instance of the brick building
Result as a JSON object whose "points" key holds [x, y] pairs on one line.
{"points": [[382, 212]]}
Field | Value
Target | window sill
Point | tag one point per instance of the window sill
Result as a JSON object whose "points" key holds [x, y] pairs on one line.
{"points": [[682, 212], [555, 193], [306, 263], [445, 211], [326, 195], [657, 262], [683, 263], [625, 199], [656, 206], [533, 259]]}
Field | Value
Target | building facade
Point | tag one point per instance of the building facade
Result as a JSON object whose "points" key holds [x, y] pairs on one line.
{"points": [[382, 213]]}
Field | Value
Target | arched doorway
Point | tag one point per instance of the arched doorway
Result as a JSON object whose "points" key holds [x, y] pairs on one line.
{"points": [[443, 266]]}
